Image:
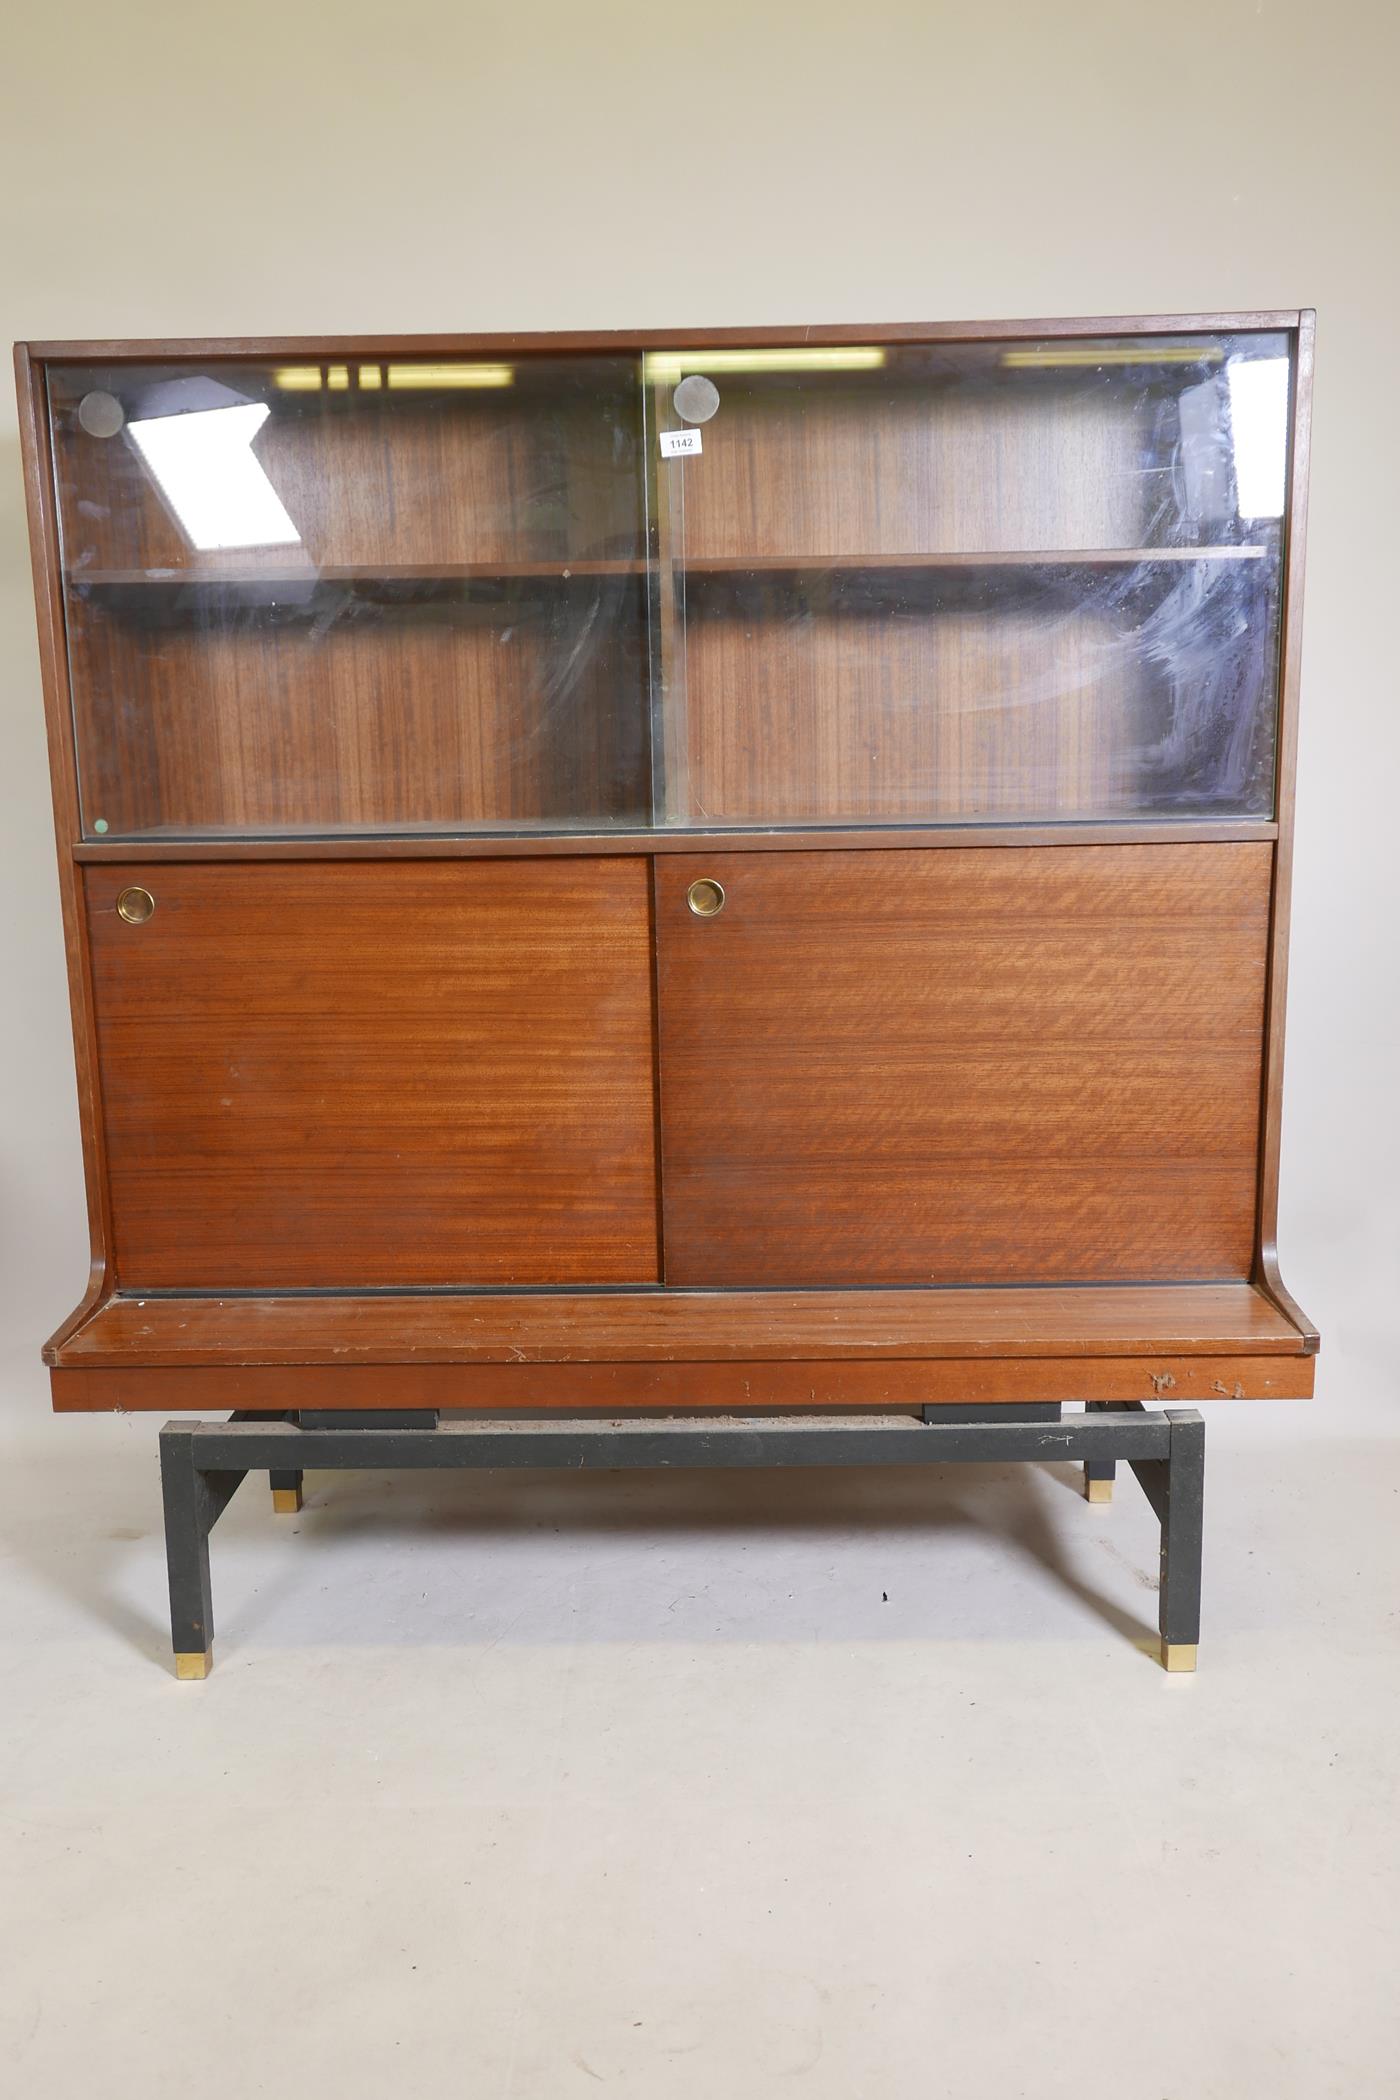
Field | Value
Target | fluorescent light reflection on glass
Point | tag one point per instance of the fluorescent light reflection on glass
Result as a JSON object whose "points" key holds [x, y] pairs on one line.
{"points": [[1259, 424], [663, 366], [205, 467], [1080, 355], [311, 379], [435, 376]]}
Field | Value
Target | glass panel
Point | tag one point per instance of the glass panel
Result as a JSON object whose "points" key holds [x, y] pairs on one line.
{"points": [[1033, 580], [885, 585], [346, 597]]}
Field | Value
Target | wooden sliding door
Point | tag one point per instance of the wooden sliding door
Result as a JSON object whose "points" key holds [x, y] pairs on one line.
{"points": [[961, 1065], [350, 1074]]}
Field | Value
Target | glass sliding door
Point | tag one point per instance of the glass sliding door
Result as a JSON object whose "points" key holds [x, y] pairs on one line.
{"points": [[955, 582], [373, 595], [852, 585]]}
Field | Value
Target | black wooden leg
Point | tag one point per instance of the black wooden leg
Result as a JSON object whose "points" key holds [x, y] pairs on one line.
{"points": [[286, 1486], [1099, 1473], [1182, 1538], [1175, 1487], [193, 1500], [186, 1554], [1099, 1476], [286, 1493]]}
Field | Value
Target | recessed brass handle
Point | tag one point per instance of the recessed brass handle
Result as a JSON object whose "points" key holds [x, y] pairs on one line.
{"points": [[135, 906], [705, 897]]}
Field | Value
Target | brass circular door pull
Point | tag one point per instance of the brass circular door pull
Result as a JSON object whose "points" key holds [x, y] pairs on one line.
{"points": [[705, 897], [135, 906]]}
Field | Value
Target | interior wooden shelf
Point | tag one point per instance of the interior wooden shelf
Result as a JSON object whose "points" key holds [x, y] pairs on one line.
{"points": [[1002, 558], [358, 572], [566, 570], [681, 1326]]}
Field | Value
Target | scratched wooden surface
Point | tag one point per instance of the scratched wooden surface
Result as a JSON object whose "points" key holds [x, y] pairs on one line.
{"points": [[1198, 1320]]}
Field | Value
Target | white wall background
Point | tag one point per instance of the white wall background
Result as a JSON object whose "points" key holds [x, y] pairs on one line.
{"points": [[269, 168]]}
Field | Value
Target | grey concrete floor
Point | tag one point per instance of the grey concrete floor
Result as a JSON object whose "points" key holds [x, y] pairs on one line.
{"points": [[721, 1785]]}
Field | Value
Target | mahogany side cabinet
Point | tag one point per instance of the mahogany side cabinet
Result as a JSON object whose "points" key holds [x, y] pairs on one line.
{"points": [[713, 896]]}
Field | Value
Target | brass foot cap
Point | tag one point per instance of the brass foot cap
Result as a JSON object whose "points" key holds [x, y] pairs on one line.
{"points": [[194, 1666], [286, 1501], [1178, 1655], [1098, 1490]]}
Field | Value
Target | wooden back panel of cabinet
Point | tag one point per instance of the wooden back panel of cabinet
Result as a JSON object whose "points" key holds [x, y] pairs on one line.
{"points": [[929, 452], [537, 471], [864, 713], [331, 1074], [404, 716], [963, 1066]]}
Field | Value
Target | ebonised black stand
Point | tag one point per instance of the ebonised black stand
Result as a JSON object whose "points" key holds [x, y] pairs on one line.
{"points": [[203, 1463]]}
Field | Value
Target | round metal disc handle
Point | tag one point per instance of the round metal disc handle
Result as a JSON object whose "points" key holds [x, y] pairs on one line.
{"points": [[101, 415], [696, 398], [135, 906], [706, 897]]}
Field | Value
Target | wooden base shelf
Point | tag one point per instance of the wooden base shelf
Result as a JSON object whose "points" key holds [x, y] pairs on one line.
{"points": [[665, 1325], [695, 1348]]}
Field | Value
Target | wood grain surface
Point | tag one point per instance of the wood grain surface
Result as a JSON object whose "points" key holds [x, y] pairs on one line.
{"points": [[427, 1072], [523, 706], [937, 450], [846, 704], [737, 1388], [681, 1326], [963, 1067]]}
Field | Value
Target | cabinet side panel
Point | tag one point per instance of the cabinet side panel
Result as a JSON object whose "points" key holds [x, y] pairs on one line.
{"points": [[329, 1074], [1029, 1065], [48, 602], [1283, 861]]}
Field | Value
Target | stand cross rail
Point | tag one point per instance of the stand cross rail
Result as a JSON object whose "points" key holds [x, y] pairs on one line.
{"points": [[204, 1463]]}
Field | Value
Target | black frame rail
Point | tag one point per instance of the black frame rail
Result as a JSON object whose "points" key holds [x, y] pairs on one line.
{"points": [[204, 1463]]}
